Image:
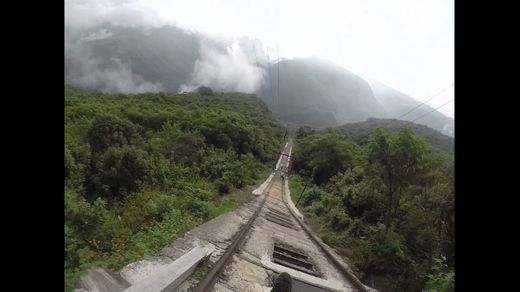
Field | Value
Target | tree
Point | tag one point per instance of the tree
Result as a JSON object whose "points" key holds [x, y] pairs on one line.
{"points": [[204, 90], [186, 146], [119, 172], [389, 202], [69, 164], [142, 169], [304, 131], [109, 130], [357, 194], [322, 157], [395, 162], [226, 129]]}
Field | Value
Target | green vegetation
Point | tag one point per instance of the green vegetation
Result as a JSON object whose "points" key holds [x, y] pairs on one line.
{"points": [[141, 170], [362, 132], [387, 205]]}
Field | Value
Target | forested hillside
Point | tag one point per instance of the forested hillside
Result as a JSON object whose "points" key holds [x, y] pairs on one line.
{"points": [[140, 170], [317, 93], [387, 206], [113, 58], [397, 103], [301, 91], [362, 132]]}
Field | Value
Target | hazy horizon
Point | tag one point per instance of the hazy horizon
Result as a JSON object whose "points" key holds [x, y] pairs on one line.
{"points": [[407, 45]]}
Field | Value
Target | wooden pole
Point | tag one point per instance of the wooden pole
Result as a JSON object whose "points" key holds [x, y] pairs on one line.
{"points": [[301, 194]]}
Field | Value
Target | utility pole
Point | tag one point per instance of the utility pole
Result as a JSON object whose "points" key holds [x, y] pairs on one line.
{"points": [[301, 194]]}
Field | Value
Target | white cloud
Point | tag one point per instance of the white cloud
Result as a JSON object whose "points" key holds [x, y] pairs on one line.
{"points": [[99, 35], [88, 72], [84, 14], [225, 66], [406, 44]]}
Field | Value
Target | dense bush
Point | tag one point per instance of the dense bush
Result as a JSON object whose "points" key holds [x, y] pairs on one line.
{"points": [[362, 132], [441, 279], [322, 156], [140, 170], [387, 204], [204, 90]]}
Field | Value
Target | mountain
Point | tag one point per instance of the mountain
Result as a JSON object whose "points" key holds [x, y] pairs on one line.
{"points": [[317, 93], [161, 58], [362, 131], [397, 103], [305, 91]]}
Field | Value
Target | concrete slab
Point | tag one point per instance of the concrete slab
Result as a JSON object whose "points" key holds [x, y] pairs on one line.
{"points": [[218, 232], [260, 190], [167, 277], [101, 280], [141, 270]]}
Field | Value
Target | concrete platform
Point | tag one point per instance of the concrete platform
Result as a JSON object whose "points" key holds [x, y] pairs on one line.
{"points": [[167, 277], [101, 280]]}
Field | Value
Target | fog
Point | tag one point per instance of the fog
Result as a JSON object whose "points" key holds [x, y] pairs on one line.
{"points": [[80, 18], [87, 71], [228, 68], [405, 44], [224, 63]]}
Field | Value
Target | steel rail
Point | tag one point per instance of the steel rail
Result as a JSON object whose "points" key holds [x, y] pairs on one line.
{"points": [[209, 281]]}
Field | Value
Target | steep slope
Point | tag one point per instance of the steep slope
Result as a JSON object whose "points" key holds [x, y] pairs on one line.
{"points": [[314, 92], [317, 93], [362, 131], [143, 169], [397, 103], [163, 56]]}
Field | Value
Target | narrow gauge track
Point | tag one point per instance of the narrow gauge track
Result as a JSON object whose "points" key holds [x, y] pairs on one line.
{"points": [[275, 229]]}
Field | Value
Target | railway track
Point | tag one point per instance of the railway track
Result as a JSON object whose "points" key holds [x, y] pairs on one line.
{"points": [[275, 240]]}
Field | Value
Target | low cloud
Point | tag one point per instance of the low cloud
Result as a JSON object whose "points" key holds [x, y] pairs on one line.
{"points": [[226, 65], [94, 36], [84, 14], [86, 71]]}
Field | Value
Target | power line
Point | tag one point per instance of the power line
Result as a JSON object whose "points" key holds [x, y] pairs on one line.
{"points": [[256, 59], [278, 57], [278, 75], [269, 73], [435, 109], [435, 95], [442, 106]]}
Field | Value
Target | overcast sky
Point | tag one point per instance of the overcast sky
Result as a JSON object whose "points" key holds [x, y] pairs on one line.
{"points": [[406, 44]]}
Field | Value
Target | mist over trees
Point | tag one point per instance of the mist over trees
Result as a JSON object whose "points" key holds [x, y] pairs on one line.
{"points": [[135, 59]]}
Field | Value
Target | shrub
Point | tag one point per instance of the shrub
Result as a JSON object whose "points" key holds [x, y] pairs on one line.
{"points": [[386, 251], [109, 130], [311, 195], [223, 185], [119, 172], [441, 279], [331, 238], [204, 90], [338, 219], [133, 162], [317, 208]]}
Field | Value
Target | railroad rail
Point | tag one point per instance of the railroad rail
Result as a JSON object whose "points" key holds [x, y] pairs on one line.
{"points": [[276, 240]]}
